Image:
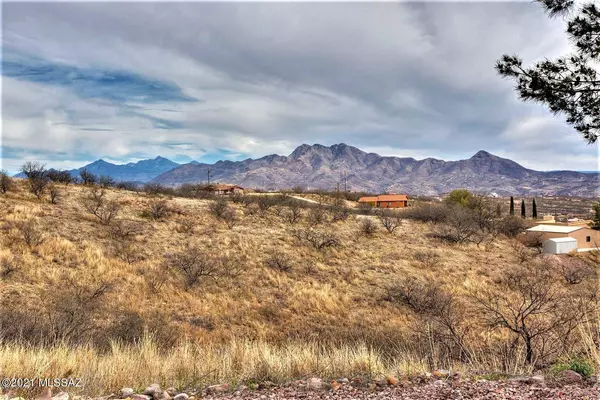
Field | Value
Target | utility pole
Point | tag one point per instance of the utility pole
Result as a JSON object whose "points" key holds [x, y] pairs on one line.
{"points": [[345, 181]]}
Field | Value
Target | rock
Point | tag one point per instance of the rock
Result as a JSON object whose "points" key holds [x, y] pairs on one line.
{"points": [[161, 395], [153, 390], [218, 388], [266, 385], [441, 373], [172, 391], [536, 380], [335, 385], [314, 383], [60, 396], [181, 396], [343, 381], [570, 377], [140, 397], [391, 380], [45, 395], [125, 392]]}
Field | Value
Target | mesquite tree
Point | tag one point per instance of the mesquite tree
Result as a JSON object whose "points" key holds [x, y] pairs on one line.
{"points": [[569, 85]]}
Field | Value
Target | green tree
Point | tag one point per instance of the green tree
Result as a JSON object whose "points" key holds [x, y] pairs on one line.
{"points": [[569, 85], [523, 209], [596, 217], [512, 206], [460, 197], [533, 209]]}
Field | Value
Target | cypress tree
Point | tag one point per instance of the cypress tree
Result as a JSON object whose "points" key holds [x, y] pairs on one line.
{"points": [[512, 206], [522, 208], [533, 209]]}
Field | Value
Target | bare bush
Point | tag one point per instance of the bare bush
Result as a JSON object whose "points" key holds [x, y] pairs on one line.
{"points": [[230, 218], [389, 219], [158, 209], [265, 202], [459, 226], [511, 226], [127, 251], [367, 227], [9, 266], [316, 215], [522, 252], [427, 212], [318, 239], [87, 177], [126, 186], [60, 176], [429, 258], [279, 260], [339, 210], [55, 194], [186, 225], [106, 181], [6, 182], [534, 241], [123, 230], [293, 213], [532, 304], [31, 232], [219, 208], [575, 271], [95, 203], [195, 266]]}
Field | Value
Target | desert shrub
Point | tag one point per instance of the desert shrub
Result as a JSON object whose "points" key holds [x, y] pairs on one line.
{"points": [[154, 189], [279, 260], [127, 251], [122, 230], [365, 208], [459, 226], [36, 176], [265, 202], [6, 182], [31, 232], [106, 181], [54, 193], [237, 198], [367, 227], [95, 203], [581, 365], [389, 219], [131, 327], [195, 266], [461, 197], [87, 178], [530, 302], [429, 258], [9, 266], [158, 209], [186, 225], [293, 213], [316, 215], [230, 218], [318, 239], [535, 242], [219, 208], [60, 176], [339, 210], [427, 212], [511, 226], [522, 252], [575, 271], [422, 297], [126, 186]]}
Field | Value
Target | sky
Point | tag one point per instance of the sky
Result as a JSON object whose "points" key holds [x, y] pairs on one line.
{"points": [[209, 81]]}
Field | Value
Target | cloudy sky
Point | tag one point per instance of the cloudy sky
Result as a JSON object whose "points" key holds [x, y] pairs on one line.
{"points": [[209, 81]]}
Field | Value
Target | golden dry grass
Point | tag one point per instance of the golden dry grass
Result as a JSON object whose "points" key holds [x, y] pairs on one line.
{"points": [[263, 324]]}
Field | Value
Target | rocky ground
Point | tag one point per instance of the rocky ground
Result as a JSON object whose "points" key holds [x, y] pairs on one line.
{"points": [[437, 386]]}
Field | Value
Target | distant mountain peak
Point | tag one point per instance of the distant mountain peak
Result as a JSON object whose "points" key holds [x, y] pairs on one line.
{"points": [[482, 154]]}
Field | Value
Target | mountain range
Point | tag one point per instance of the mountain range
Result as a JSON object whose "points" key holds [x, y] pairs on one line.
{"points": [[324, 167]]}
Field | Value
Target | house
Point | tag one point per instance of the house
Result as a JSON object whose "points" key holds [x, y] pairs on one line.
{"points": [[224, 189], [386, 201], [587, 238]]}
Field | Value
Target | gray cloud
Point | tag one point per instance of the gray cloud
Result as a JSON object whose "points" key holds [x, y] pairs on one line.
{"points": [[410, 79]]}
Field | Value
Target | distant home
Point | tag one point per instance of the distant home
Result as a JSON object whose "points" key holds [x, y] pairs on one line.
{"points": [[586, 238], [386, 201], [224, 189]]}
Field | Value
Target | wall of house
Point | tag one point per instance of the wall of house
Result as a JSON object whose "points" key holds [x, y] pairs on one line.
{"points": [[391, 204], [581, 235]]}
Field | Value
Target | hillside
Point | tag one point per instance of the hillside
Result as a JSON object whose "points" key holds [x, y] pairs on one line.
{"points": [[263, 298], [319, 166]]}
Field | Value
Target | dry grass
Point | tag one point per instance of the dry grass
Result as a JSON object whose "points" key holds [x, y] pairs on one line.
{"points": [[325, 316]]}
